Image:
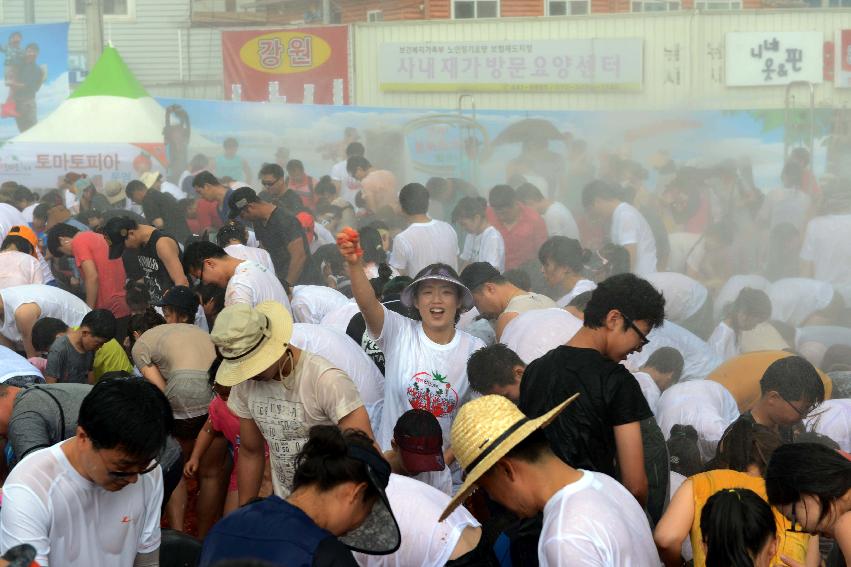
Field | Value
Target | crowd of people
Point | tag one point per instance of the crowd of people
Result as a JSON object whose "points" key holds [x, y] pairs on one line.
{"points": [[323, 372]]}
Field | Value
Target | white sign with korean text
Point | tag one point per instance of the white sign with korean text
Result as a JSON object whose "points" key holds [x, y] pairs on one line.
{"points": [[773, 58], [512, 65]]}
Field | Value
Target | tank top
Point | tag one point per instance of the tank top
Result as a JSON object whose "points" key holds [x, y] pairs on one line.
{"points": [[156, 276], [793, 545]]}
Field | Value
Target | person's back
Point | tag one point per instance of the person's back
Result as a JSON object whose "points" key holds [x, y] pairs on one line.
{"points": [[423, 244], [700, 359], [827, 246], [560, 221], [629, 227], [17, 268], [52, 302], [595, 521], [609, 396], [254, 283], [529, 301], [534, 333]]}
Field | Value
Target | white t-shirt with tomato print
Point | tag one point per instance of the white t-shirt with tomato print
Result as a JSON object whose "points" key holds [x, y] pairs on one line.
{"points": [[421, 374]]}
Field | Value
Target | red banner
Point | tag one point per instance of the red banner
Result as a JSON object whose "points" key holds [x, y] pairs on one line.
{"points": [[305, 65]]}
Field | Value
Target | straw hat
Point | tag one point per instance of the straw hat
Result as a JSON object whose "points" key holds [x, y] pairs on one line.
{"points": [[114, 191], [250, 339], [484, 431]]}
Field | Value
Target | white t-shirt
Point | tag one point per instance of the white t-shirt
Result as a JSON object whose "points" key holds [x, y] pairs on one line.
{"points": [[705, 405], [316, 394], [677, 481], [349, 186], [321, 237], [723, 342], [488, 246], [312, 302], [793, 300], [347, 355], [17, 268], [731, 289], [173, 190], [560, 221], [340, 317], [54, 302], [73, 522], [426, 542], [252, 253], [13, 365], [9, 217], [699, 359], [595, 521], [28, 212], [421, 374], [423, 244], [253, 283], [682, 244], [578, 289], [827, 244], [684, 296], [630, 227], [784, 205], [833, 418], [535, 333], [649, 388]]}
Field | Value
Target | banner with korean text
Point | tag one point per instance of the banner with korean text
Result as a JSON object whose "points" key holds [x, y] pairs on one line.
{"points": [[757, 59], [299, 65], [513, 65]]}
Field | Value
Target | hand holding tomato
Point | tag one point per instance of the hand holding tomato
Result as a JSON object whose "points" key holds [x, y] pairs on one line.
{"points": [[348, 243]]}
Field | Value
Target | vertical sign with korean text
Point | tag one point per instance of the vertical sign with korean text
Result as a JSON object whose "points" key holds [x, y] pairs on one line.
{"points": [[842, 59], [773, 58], [512, 65], [301, 65]]}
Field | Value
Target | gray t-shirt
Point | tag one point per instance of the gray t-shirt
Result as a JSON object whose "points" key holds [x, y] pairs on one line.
{"points": [[68, 365], [44, 415]]}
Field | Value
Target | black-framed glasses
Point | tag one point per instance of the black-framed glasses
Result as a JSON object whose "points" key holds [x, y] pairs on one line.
{"points": [[644, 340], [269, 183], [802, 414], [127, 474]]}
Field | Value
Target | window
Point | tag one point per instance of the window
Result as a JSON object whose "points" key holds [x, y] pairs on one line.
{"points": [[374, 16], [655, 6], [466, 9], [111, 8], [718, 5], [568, 7]]}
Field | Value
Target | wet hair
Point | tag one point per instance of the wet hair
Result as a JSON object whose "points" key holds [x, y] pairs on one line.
{"points": [[355, 149], [131, 415], [45, 331], [357, 162], [751, 302], [198, 252], [803, 469], [413, 198], [793, 378], [291, 202], [519, 278], [564, 252], [370, 242], [837, 358], [527, 192], [324, 461], [634, 297], [580, 301], [295, 165], [667, 360], [22, 193], [325, 186], [492, 366], [133, 187], [20, 243], [214, 293], [502, 197], [469, 207], [273, 169], [137, 294], [203, 178], [42, 211], [385, 273], [745, 443], [736, 524], [329, 254], [142, 322], [618, 258], [101, 323], [113, 374], [683, 450], [531, 449], [60, 230], [233, 230], [599, 189]]}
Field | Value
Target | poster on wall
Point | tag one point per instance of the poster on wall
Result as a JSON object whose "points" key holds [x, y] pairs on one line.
{"points": [[757, 59], [842, 59], [300, 65], [512, 65], [34, 66]]}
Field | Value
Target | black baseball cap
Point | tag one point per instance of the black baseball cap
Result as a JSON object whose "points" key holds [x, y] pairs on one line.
{"points": [[240, 199], [419, 439], [115, 232], [181, 297], [479, 273]]}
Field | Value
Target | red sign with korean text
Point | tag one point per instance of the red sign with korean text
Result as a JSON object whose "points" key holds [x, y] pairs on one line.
{"points": [[300, 65]]}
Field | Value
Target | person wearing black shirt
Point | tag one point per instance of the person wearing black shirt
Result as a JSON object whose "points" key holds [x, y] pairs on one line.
{"points": [[160, 209], [158, 253], [280, 234], [602, 431]]}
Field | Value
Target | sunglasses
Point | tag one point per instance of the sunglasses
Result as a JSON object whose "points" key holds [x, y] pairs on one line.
{"points": [[644, 340]]}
